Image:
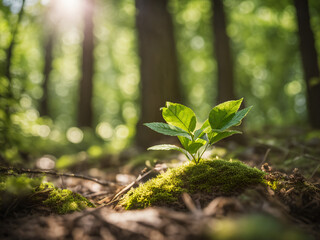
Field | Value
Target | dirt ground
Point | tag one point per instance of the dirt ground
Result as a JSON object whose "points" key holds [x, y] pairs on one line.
{"points": [[293, 212]]}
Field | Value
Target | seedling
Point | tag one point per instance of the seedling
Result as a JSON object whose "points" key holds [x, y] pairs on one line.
{"points": [[182, 121]]}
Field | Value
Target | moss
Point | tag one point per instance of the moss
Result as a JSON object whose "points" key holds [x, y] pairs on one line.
{"points": [[21, 192], [274, 185], [63, 201], [15, 188], [220, 176]]}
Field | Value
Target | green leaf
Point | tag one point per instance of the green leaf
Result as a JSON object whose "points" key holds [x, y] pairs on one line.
{"points": [[185, 142], [205, 128], [220, 115], [193, 147], [216, 136], [167, 129], [179, 116], [198, 133], [236, 118], [167, 147]]}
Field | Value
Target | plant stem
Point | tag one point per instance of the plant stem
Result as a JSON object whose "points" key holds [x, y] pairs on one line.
{"points": [[205, 148]]}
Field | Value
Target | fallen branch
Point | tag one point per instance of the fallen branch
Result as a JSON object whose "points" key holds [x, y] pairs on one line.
{"points": [[14, 171], [143, 177]]}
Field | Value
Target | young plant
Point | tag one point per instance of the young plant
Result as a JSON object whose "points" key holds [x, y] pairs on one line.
{"points": [[182, 121]]}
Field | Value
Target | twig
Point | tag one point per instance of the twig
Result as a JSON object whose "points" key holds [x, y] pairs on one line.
{"points": [[6, 171], [190, 204], [311, 157], [265, 157], [142, 177], [123, 191], [314, 172], [96, 194]]}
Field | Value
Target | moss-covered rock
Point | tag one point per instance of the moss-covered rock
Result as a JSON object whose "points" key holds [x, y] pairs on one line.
{"points": [[14, 189], [62, 201], [22, 192], [209, 176]]}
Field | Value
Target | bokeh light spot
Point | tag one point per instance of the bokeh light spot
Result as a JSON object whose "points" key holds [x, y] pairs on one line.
{"points": [[74, 135], [104, 130], [122, 131], [293, 88], [46, 162]]}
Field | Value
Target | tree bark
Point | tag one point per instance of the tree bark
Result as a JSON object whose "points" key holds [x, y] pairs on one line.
{"points": [[223, 53], [11, 46], [158, 67], [48, 49], [85, 111], [309, 61]]}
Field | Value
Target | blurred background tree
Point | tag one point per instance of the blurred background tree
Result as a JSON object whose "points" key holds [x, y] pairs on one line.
{"points": [[111, 67], [159, 72], [85, 112], [309, 61], [49, 33], [223, 54]]}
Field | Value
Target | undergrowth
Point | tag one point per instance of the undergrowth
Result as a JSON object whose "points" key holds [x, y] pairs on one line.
{"points": [[219, 176], [21, 192]]}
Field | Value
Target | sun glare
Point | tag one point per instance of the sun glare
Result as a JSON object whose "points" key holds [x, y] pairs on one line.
{"points": [[68, 10]]}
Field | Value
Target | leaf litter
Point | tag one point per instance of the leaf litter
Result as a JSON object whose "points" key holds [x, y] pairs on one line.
{"points": [[290, 206]]}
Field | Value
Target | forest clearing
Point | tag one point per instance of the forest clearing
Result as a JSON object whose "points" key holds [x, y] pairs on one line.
{"points": [[160, 119]]}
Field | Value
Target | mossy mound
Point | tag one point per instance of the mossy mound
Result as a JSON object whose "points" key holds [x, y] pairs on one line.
{"points": [[14, 190], [62, 201], [21, 192], [209, 176]]}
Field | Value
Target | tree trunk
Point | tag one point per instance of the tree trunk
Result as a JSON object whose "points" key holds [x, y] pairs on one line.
{"points": [[86, 83], [48, 48], [159, 67], [309, 61], [224, 61], [7, 70], [223, 53]]}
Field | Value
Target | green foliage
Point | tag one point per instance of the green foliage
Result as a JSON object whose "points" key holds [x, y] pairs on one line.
{"points": [[179, 116], [15, 188], [24, 192], [12, 187], [181, 122], [167, 129], [63, 201], [261, 60], [219, 176]]}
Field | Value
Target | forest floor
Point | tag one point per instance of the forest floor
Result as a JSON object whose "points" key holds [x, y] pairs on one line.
{"points": [[256, 213]]}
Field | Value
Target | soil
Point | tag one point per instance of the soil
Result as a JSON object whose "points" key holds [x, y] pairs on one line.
{"points": [[289, 207]]}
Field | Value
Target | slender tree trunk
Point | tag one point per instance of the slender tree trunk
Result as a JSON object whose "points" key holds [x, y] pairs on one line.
{"points": [[86, 83], [48, 48], [224, 61], [223, 53], [49, 32], [159, 67], [309, 61], [11, 47]]}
